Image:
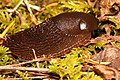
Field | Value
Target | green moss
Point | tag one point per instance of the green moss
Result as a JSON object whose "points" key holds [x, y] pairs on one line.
{"points": [[70, 67]]}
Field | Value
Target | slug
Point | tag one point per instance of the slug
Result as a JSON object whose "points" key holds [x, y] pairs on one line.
{"points": [[53, 37]]}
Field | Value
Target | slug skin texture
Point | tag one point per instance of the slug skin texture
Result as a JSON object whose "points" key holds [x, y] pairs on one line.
{"points": [[54, 37]]}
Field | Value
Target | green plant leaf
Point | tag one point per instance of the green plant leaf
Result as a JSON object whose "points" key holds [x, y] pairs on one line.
{"points": [[3, 51]]}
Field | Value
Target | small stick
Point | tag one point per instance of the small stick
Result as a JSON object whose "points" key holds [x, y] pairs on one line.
{"points": [[31, 13], [37, 63], [34, 60], [96, 62], [16, 7], [35, 7], [36, 77], [24, 68]]}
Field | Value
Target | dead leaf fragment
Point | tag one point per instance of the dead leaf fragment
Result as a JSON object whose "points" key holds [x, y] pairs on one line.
{"points": [[106, 72], [109, 54], [106, 38]]}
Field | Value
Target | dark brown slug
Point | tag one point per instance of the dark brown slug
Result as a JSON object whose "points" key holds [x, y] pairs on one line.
{"points": [[54, 36]]}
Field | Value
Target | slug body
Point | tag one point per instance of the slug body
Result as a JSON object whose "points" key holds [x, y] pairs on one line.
{"points": [[54, 36]]}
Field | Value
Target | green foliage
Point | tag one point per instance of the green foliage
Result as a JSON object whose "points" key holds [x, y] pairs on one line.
{"points": [[115, 22], [3, 51], [23, 75], [6, 18], [91, 76], [2, 77], [100, 44], [4, 60], [79, 6], [43, 64], [94, 48], [3, 57], [117, 44], [116, 27], [66, 6], [70, 66]]}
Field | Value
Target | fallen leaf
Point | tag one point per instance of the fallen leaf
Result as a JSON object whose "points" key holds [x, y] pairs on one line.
{"points": [[106, 72], [109, 54]]}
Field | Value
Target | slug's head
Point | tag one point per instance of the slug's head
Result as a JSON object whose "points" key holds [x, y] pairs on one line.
{"points": [[76, 23]]}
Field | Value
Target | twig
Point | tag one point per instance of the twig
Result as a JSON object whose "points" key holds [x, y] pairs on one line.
{"points": [[34, 20], [34, 60], [31, 13], [27, 4], [37, 63], [35, 7], [36, 77], [16, 7], [24, 68], [96, 62], [22, 19]]}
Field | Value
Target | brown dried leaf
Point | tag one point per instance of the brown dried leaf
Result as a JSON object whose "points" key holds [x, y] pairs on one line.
{"points": [[107, 38], [105, 6], [106, 72], [117, 17], [108, 8], [109, 54]]}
